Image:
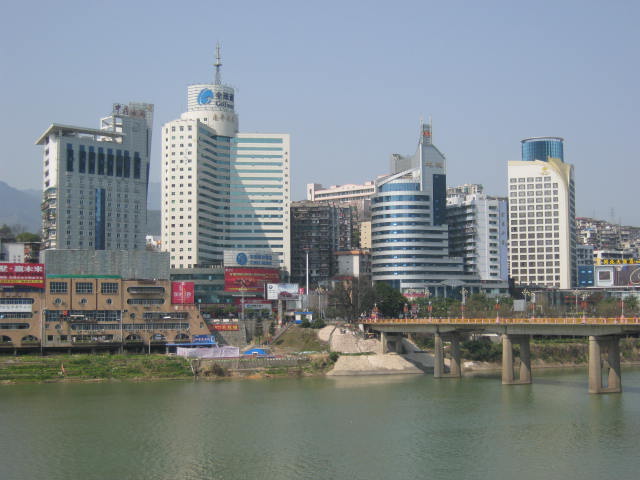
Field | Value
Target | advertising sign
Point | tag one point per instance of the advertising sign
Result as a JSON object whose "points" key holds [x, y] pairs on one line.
{"points": [[225, 327], [415, 293], [182, 293], [617, 276], [249, 280], [19, 307], [22, 274], [250, 258], [207, 339], [282, 291]]}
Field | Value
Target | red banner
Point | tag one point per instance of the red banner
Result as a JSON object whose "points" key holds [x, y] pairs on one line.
{"points": [[224, 327], [182, 293], [22, 274], [249, 280]]}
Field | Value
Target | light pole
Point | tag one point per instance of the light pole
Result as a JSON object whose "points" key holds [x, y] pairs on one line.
{"points": [[306, 290], [584, 306], [243, 287], [464, 292], [576, 293]]}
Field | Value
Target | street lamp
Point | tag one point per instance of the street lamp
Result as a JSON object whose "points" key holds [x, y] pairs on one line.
{"points": [[464, 292], [584, 305], [576, 293]]}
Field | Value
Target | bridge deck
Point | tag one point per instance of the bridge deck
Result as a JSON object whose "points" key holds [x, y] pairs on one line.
{"points": [[579, 326]]}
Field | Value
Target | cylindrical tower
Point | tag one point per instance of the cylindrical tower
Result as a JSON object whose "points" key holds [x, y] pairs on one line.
{"points": [[542, 148]]}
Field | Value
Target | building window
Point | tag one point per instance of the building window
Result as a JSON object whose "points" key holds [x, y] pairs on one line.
{"points": [[57, 287], [84, 287], [107, 288]]}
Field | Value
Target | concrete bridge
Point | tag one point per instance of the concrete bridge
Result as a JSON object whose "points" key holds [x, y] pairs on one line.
{"points": [[604, 335]]}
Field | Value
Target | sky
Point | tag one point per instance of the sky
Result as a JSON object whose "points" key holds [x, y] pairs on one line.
{"points": [[349, 81]]}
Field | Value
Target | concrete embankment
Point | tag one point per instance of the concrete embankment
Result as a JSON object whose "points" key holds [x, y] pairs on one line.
{"points": [[362, 356]]}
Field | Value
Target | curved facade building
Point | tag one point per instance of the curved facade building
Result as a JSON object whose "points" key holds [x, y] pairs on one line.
{"points": [[409, 236], [542, 148]]}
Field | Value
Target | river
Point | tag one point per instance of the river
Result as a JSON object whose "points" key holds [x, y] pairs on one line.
{"points": [[381, 427]]}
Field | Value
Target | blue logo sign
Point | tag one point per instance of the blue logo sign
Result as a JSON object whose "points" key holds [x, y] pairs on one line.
{"points": [[205, 96], [241, 258]]}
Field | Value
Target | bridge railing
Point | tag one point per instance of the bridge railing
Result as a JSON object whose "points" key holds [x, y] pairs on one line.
{"points": [[510, 321]]}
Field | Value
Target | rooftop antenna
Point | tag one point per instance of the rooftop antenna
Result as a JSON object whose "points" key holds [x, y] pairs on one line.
{"points": [[218, 64]]}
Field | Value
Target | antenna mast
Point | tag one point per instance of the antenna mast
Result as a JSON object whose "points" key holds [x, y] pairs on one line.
{"points": [[218, 64]]}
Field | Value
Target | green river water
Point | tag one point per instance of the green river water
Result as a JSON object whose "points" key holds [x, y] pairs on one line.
{"points": [[382, 427]]}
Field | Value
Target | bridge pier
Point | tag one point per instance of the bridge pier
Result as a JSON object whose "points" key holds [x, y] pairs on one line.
{"points": [[508, 372], [394, 341], [614, 377], [455, 370]]}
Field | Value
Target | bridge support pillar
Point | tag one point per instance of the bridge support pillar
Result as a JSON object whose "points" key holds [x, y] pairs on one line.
{"points": [[438, 354], [395, 341], [455, 370], [508, 372], [614, 377]]}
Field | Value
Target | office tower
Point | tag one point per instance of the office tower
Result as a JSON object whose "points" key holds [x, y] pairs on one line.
{"points": [[409, 234], [478, 231], [222, 189], [542, 215], [95, 182], [322, 229]]}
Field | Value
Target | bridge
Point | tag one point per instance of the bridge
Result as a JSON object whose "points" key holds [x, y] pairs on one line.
{"points": [[604, 335]]}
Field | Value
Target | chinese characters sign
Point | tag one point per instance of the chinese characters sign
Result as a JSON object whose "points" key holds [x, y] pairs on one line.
{"points": [[22, 274], [182, 293]]}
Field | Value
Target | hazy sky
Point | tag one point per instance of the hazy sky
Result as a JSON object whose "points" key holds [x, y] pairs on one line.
{"points": [[348, 80]]}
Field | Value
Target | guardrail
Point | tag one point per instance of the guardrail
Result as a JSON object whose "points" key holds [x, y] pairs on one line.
{"points": [[507, 321]]}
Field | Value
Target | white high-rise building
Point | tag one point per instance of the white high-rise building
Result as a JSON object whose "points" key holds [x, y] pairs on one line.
{"points": [[542, 216], [222, 189], [478, 231], [95, 182]]}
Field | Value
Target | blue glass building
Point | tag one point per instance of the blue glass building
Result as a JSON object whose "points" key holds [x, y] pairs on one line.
{"points": [[541, 148]]}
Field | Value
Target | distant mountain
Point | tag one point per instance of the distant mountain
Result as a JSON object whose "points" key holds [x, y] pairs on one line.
{"points": [[20, 207]]}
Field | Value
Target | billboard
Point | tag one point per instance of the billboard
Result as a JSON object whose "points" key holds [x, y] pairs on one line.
{"points": [[22, 274], [282, 291], [250, 258], [225, 327], [182, 293], [617, 275], [249, 280]]}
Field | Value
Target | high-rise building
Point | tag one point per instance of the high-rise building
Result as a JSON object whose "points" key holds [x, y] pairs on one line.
{"points": [[409, 234], [542, 216], [319, 229], [95, 182], [478, 231], [222, 189]]}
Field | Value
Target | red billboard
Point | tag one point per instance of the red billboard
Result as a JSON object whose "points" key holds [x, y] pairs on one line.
{"points": [[249, 280], [182, 293], [22, 274], [224, 327]]}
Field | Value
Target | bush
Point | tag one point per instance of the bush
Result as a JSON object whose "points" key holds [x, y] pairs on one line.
{"points": [[333, 356], [318, 324], [305, 323]]}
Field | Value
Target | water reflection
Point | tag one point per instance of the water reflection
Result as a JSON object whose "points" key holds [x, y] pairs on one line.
{"points": [[401, 427]]}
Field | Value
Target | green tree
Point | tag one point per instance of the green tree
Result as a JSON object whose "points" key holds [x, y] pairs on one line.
{"points": [[27, 237], [390, 301]]}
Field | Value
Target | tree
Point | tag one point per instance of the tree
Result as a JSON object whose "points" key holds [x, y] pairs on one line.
{"points": [[27, 237], [349, 299], [390, 301]]}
